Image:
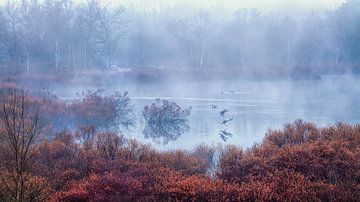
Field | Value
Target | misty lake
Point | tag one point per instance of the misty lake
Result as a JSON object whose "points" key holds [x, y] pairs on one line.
{"points": [[253, 106]]}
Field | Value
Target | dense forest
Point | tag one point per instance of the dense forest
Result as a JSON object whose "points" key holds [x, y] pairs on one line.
{"points": [[92, 162], [56, 35]]}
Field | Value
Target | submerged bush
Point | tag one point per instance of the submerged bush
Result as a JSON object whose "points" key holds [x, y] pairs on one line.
{"points": [[167, 121], [112, 112]]}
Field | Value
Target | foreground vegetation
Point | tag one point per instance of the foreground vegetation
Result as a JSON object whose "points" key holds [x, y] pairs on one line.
{"points": [[90, 160]]}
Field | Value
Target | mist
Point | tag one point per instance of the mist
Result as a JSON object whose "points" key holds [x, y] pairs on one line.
{"points": [[265, 65], [179, 100]]}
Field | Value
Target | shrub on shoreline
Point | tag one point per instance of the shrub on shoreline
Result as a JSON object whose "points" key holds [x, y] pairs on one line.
{"points": [[300, 162]]}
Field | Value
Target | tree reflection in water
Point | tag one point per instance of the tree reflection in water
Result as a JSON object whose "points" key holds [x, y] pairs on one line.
{"points": [[165, 122]]}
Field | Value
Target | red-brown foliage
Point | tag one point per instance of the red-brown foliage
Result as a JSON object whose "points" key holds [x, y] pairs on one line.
{"points": [[59, 160], [34, 188], [299, 163], [324, 162], [108, 187]]}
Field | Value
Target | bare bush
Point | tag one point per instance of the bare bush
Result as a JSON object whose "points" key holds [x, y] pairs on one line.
{"points": [[112, 112], [167, 121], [19, 120], [108, 145]]}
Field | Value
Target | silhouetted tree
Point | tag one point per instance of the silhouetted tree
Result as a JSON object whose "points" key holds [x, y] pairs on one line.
{"points": [[19, 119]]}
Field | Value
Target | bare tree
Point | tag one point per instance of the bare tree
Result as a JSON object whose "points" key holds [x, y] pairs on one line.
{"points": [[81, 34], [12, 42], [31, 25], [193, 33], [19, 118], [3, 32], [108, 28], [58, 15]]}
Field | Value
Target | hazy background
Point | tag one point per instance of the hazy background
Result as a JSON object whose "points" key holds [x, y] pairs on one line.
{"points": [[266, 62], [249, 36]]}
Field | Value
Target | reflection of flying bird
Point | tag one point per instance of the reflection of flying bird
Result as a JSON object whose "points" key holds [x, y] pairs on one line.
{"points": [[222, 113], [226, 121], [225, 135]]}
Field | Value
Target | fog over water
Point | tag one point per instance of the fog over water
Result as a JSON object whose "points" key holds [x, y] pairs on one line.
{"points": [[255, 106], [239, 67]]}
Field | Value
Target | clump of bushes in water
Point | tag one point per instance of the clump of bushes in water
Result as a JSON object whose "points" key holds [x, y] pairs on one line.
{"points": [[301, 162], [105, 112], [167, 121], [90, 109]]}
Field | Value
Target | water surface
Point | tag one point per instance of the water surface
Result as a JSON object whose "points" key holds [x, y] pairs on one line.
{"points": [[254, 105]]}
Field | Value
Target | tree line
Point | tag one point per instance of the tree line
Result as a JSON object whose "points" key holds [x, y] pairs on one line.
{"points": [[58, 35]]}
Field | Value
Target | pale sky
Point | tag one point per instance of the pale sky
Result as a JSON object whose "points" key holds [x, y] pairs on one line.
{"points": [[225, 8], [264, 5], [280, 4], [231, 5]]}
